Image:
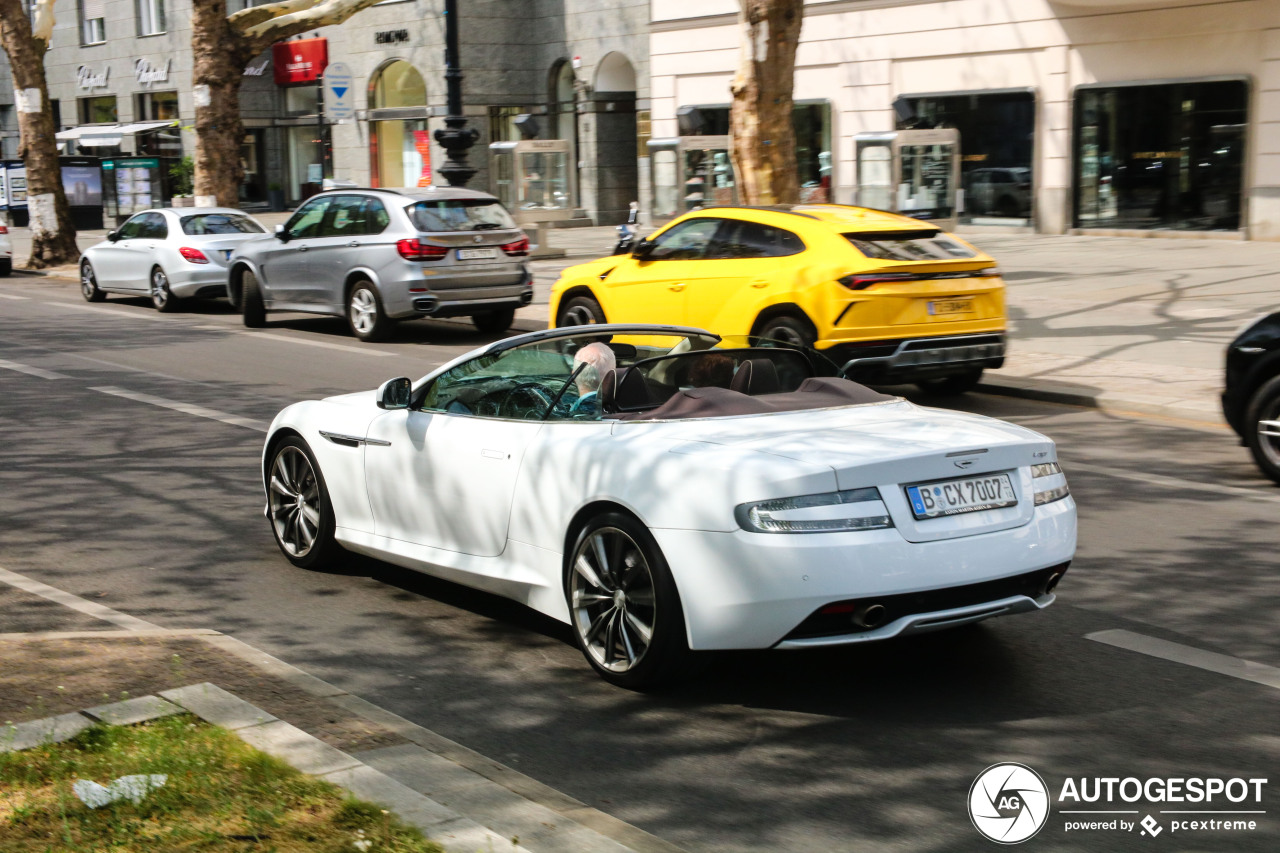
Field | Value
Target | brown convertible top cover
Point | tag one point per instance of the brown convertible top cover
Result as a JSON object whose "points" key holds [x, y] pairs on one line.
{"points": [[818, 392]]}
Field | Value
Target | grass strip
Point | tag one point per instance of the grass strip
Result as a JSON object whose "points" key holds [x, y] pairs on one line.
{"points": [[221, 795]]}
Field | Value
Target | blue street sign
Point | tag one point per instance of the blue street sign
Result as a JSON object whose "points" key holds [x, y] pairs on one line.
{"points": [[339, 95]]}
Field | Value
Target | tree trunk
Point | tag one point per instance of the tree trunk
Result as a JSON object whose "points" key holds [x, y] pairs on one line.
{"points": [[53, 238], [764, 139], [220, 54]]}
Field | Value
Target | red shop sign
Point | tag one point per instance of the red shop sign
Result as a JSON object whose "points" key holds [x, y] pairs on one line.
{"points": [[301, 61]]}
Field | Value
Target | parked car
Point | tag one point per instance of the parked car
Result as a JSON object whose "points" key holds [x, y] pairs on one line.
{"points": [[705, 494], [6, 251], [999, 191], [1251, 398], [381, 255], [166, 254], [904, 300]]}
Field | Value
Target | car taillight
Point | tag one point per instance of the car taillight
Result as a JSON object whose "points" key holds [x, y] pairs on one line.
{"points": [[413, 249], [3, 230], [194, 256], [862, 282], [518, 248]]}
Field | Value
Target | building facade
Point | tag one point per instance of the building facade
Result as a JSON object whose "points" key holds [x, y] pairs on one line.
{"points": [[120, 80], [1080, 116]]}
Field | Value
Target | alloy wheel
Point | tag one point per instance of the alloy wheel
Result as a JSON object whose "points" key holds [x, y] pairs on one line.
{"points": [[1269, 433], [159, 289], [363, 310], [612, 598], [294, 501], [578, 315], [88, 281]]}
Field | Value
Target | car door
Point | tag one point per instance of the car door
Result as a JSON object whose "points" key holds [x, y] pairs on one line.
{"points": [[284, 264], [652, 289], [146, 254], [751, 262], [333, 251], [113, 262]]}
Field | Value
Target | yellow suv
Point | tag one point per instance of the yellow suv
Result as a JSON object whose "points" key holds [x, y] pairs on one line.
{"points": [[891, 298]]}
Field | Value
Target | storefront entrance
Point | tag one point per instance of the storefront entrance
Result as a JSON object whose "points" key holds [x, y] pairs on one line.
{"points": [[399, 146], [1168, 155]]}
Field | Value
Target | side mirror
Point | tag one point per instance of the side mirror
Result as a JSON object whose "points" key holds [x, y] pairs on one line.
{"points": [[394, 393], [281, 234], [113, 236], [642, 250]]}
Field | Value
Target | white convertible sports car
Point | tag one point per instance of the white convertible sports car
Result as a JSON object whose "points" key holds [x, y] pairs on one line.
{"points": [[677, 492]]}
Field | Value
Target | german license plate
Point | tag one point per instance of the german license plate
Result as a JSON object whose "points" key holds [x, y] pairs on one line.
{"points": [[939, 307], [953, 497], [477, 254]]}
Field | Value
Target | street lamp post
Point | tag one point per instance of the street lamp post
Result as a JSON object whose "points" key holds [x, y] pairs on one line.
{"points": [[455, 137]]}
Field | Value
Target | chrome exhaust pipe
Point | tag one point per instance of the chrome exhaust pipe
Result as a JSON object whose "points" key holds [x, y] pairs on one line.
{"points": [[1052, 582], [870, 616]]}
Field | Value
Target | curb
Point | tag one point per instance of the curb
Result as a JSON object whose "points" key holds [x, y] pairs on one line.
{"points": [[1012, 386]]}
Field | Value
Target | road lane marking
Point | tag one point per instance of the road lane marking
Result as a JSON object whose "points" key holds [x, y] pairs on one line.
{"points": [[1174, 482], [102, 312], [1246, 670], [325, 344], [12, 296], [185, 408], [75, 602], [32, 371]]}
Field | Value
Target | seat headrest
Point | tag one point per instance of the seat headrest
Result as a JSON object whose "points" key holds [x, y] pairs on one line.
{"points": [[624, 389], [756, 376]]}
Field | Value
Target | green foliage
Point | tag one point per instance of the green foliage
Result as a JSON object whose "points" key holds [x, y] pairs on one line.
{"points": [[182, 176]]}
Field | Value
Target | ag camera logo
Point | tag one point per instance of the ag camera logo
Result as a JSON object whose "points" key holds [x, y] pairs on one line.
{"points": [[1008, 803]]}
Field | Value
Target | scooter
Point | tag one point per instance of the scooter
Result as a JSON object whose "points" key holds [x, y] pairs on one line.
{"points": [[627, 232]]}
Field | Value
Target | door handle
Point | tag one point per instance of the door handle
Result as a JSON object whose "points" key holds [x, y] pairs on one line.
{"points": [[494, 454], [678, 287], [354, 243], [759, 283]]}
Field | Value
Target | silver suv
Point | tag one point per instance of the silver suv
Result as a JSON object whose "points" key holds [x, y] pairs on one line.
{"points": [[381, 255]]}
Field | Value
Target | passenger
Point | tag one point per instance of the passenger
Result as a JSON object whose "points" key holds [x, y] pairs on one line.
{"points": [[713, 370], [599, 360]]}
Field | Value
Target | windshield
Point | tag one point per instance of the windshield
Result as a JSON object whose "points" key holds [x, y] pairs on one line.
{"points": [[460, 214], [596, 375], [931, 245], [221, 223]]}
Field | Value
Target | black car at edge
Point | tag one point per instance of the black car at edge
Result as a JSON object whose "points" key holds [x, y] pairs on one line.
{"points": [[1251, 399]]}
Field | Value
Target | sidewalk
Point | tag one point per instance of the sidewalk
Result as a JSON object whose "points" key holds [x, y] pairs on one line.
{"points": [[1124, 324]]}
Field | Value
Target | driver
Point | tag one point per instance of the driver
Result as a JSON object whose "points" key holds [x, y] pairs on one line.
{"points": [[599, 360]]}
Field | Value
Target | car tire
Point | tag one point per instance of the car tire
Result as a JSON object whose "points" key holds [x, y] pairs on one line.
{"points": [[365, 315], [618, 586], [299, 508], [580, 311], [789, 329], [162, 297], [494, 322], [252, 308], [6, 267], [950, 386], [1264, 405], [89, 284]]}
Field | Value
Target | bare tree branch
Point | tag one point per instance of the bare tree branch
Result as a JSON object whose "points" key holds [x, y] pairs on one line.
{"points": [[42, 25], [253, 15], [323, 14]]}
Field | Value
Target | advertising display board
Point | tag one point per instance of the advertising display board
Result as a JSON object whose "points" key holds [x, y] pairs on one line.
{"points": [[296, 63]]}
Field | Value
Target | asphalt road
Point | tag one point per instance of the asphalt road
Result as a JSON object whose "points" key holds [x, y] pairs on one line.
{"points": [[128, 476]]}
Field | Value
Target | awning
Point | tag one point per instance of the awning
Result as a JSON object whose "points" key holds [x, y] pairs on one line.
{"points": [[106, 135]]}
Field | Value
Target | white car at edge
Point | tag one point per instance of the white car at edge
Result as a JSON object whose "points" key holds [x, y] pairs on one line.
{"points": [[714, 494]]}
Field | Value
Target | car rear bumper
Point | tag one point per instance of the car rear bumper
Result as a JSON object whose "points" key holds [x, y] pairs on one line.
{"points": [[457, 294], [453, 303], [912, 359], [198, 280], [755, 590]]}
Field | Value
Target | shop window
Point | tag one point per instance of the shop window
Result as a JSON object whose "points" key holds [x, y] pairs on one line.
{"points": [[1167, 155], [400, 148], [157, 106], [502, 126], [98, 110], [150, 17], [93, 21], [812, 123], [996, 133]]}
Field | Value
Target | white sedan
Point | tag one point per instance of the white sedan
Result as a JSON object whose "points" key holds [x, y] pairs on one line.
{"points": [[167, 254], [6, 251], [685, 493]]}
